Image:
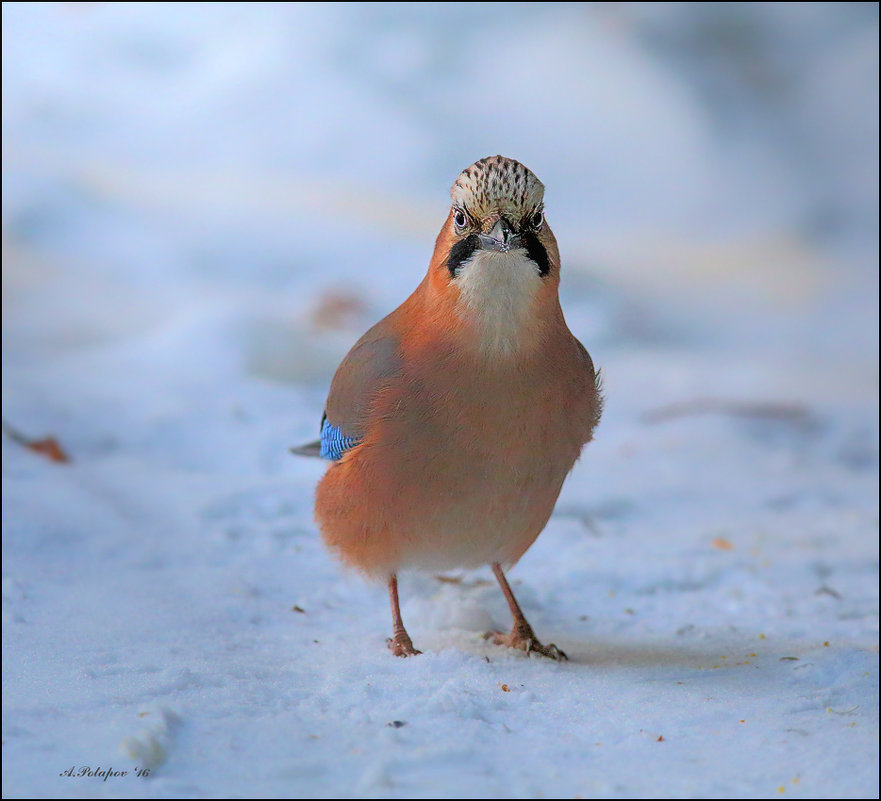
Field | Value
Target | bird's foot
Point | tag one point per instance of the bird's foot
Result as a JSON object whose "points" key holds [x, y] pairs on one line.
{"points": [[523, 637], [401, 645]]}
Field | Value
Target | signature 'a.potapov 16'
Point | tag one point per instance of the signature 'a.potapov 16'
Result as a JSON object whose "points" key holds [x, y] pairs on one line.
{"points": [[453, 422]]}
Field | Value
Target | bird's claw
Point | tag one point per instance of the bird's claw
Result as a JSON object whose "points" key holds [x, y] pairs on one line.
{"points": [[528, 642], [552, 652], [401, 646]]}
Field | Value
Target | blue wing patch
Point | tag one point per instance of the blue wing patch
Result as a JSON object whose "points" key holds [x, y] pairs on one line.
{"points": [[334, 443]]}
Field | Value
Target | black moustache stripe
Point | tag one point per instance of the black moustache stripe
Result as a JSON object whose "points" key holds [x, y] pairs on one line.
{"points": [[536, 251], [464, 250], [461, 252]]}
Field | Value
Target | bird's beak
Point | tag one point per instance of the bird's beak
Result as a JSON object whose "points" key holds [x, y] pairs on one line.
{"points": [[502, 237]]}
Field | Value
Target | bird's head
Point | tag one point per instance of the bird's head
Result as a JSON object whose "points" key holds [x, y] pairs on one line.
{"points": [[496, 257], [498, 206]]}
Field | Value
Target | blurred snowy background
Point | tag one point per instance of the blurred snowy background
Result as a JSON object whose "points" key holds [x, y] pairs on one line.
{"points": [[204, 205]]}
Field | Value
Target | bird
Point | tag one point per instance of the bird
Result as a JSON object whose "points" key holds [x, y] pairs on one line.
{"points": [[453, 422]]}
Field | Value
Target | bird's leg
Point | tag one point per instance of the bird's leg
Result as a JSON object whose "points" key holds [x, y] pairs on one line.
{"points": [[400, 644], [522, 636]]}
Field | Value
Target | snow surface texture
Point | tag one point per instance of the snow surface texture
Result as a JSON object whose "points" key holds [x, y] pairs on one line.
{"points": [[205, 205]]}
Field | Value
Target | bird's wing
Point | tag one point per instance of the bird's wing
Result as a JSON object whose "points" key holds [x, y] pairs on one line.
{"points": [[368, 367], [585, 356], [597, 378], [309, 449]]}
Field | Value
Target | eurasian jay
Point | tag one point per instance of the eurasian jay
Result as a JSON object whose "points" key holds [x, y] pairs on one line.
{"points": [[453, 422]]}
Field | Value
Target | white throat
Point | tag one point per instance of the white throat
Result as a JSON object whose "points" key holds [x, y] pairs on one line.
{"points": [[496, 293]]}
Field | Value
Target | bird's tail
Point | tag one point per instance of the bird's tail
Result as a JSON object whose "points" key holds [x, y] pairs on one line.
{"points": [[312, 449]]}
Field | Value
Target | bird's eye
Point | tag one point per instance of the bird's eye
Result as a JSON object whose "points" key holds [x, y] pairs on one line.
{"points": [[460, 219], [537, 219]]}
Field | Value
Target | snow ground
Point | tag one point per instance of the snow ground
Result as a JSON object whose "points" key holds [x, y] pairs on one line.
{"points": [[176, 296]]}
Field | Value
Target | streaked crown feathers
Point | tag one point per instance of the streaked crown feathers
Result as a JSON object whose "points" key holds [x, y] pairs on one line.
{"points": [[497, 184]]}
